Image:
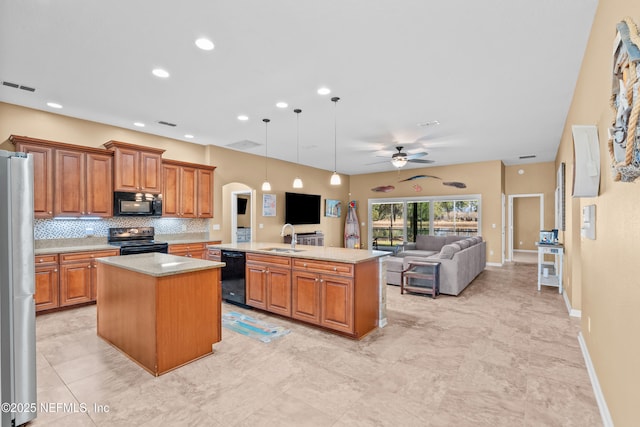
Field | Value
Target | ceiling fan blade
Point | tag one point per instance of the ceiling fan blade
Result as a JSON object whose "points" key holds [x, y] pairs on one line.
{"points": [[377, 163], [421, 161], [416, 155]]}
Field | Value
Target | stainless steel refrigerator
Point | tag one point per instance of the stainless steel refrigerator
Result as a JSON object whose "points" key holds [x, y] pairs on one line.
{"points": [[17, 289]]}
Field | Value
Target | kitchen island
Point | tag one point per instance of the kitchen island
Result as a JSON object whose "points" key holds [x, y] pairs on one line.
{"points": [[341, 290], [163, 311]]}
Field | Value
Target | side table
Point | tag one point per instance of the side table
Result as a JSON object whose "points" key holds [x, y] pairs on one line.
{"points": [[421, 277], [550, 274]]}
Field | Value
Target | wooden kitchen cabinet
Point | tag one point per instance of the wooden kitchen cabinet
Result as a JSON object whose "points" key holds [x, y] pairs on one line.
{"points": [[191, 250], [78, 276], [42, 173], [188, 190], [83, 183], [204, 177], [46, 282], [268, 283], [214, 255], [69, 180], [323, 293], [136, 168]]}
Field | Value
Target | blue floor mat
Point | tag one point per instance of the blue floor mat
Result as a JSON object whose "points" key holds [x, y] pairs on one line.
{"points": [[254, 328]]}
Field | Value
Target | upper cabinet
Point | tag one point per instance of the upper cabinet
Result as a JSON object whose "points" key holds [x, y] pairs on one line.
{"points": [[136, 168], [43, 174], [188, 190], [69, 180]]}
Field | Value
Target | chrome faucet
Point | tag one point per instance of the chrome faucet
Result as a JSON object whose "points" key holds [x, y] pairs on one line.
{"points": [[293, 234]]}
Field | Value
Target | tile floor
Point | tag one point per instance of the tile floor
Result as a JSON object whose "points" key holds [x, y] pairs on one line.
{"points": [[500, 354]]}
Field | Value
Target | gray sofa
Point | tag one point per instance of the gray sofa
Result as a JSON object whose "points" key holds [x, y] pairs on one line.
{"points": [[461, 260]]}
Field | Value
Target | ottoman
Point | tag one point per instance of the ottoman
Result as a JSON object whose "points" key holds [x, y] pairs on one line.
{"points": [[394, 270]]}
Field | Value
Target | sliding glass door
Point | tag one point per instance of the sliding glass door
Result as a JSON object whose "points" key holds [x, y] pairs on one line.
{"points": [[395, 221]]}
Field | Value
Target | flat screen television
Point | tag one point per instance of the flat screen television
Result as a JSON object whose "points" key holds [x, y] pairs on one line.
{"points": [[242, 206], [301, 208]]}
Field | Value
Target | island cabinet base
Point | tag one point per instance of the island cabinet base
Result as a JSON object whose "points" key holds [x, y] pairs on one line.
{"points": [[160, 322]]}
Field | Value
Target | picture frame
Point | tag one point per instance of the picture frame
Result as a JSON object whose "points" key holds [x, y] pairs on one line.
{"points": [[332, 208], [268, 205]]}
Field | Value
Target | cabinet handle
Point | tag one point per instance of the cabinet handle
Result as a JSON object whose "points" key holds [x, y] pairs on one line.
{"points": [[315, 280], [82, 213], [55, 270], [304, 265], [321, 280], [88, 266], [41, 260], [335, 268], [50, 213]]}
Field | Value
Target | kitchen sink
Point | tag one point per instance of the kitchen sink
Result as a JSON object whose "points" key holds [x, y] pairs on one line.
{"points": [[283, 250]]}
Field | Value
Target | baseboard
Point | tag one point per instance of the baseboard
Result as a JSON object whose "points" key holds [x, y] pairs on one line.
{"points": [[572, 312], [531, 251], [494, 264], [602, 404]]}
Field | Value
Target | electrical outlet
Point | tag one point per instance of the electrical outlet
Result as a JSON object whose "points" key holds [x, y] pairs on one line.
{"points": [[184, 227], [490, 252], [216, 226], [88, 231]]}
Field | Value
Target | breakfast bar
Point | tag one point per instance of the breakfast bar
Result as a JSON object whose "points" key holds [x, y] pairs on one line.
{"points": [[163, 311]]}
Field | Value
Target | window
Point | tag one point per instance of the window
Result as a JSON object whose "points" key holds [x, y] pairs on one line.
{"points": [[394, 221]]}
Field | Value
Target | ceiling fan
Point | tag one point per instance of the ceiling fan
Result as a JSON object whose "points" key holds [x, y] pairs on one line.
{"points": [[400, 159]]}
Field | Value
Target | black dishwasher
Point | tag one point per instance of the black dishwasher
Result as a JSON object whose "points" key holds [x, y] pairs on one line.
{"points": [[233, 289]]}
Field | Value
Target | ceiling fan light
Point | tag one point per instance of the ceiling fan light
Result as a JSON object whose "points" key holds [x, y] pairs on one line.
{"points": [[297, 183], [266, 186], [399, 161], [335, 179]]}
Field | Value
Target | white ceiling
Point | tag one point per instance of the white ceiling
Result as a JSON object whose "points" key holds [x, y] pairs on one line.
{"points": [[498, 75]]}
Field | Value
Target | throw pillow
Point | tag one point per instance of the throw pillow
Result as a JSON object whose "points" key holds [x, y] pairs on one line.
{"points": [[448, 251], [464, 244]]}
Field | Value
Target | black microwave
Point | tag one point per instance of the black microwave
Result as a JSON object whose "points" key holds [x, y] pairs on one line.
{"points": [[137, 204]]}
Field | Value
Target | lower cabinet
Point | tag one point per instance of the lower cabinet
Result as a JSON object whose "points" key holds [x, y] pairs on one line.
{"points": [[268, 283], [78, 276], [323, 299], [190, 250], [47, 282]]}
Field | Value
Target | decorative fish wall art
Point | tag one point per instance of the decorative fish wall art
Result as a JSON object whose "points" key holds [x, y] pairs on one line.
{"points": [[383, 188], [448, 183]]}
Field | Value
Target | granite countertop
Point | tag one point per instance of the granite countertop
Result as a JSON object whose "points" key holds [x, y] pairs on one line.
{"points": [[158, 265], [322, 253], [87, 244]]}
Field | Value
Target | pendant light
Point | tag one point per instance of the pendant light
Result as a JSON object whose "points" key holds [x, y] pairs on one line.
{"points": [[297, 183], [335, 178], [265, 185]]}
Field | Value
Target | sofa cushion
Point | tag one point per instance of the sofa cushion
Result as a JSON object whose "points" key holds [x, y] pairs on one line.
{"points": [[429, 243], [464, 243], [448, 251], [450, 239]]}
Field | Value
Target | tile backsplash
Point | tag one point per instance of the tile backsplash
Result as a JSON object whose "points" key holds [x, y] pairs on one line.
{"points": [[78, 228]]}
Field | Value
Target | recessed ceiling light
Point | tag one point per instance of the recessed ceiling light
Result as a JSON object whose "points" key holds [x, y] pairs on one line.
{"points": [[159, 72], [139, 124], [204, 44], [188, 136], [54, 105], [324, 91], [282, 105], [243, 117]]}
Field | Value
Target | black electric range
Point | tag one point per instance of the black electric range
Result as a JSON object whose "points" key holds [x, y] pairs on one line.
{"points": [[138, 240]]}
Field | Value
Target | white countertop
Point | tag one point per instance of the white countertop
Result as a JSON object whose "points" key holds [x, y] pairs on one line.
{"points": [[157, 264], [323, 253]]}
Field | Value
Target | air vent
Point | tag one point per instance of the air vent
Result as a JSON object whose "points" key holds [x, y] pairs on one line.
{"points": [[245, 144], [17, 86], [162, 122], [529, 156]]}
